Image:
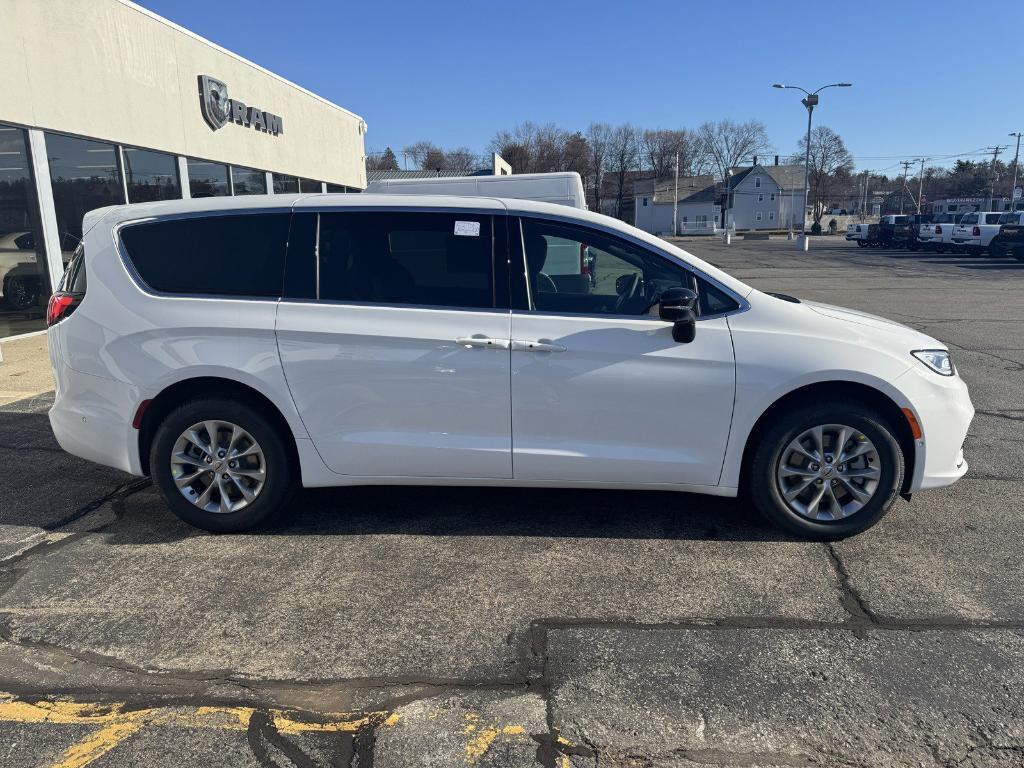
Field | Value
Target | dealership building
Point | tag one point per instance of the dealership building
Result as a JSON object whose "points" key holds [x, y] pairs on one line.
{"points": [[103, 102]]}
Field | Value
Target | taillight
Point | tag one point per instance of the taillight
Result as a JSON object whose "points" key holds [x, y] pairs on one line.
{"points": [[584, 266], [61, 305], [976, 232]]}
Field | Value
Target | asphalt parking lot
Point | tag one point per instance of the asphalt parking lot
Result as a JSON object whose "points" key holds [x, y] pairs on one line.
{"points": [[460, 627]]}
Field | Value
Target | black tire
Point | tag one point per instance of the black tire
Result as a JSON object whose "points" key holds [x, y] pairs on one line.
{"points": [[862, 243], [280, 473], [763, 488]]}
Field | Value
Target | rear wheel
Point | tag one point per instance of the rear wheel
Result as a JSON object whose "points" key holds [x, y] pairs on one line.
{"points": [[221, 465], [862, 243], [827, 471]]}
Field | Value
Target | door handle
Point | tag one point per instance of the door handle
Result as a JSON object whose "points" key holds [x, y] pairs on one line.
{"points": [[537, 346], [484, 342]]}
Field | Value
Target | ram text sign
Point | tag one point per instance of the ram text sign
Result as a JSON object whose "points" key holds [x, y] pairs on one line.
{"points": [[219, 109]]}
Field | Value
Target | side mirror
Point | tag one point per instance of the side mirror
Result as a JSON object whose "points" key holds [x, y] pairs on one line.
{"points": [[676, 306]]}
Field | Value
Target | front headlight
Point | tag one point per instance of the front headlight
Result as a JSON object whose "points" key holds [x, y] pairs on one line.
{"points": [[936, 359]]}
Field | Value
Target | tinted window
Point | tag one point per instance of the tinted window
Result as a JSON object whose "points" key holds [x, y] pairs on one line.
{"points": [[714, 301], [285, 184], [73, 280], [406, 258], [309, 185], [248, 181], [992, 218], [84, 174], [579, 270], [150, 175], [240, 255], [970, 218], [206, 179]]}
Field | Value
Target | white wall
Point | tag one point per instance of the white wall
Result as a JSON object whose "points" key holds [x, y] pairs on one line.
{"points": [[110, 70], [785, 206]]}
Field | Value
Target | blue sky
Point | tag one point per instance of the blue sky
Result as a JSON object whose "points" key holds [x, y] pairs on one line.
{"points": [[454, 72]]}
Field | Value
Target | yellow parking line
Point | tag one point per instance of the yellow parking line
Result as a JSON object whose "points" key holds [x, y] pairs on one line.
{"points": [[118, 724], [100, 742]]}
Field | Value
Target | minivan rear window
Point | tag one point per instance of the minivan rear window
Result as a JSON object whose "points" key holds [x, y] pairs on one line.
{"points": [[236, 255]]}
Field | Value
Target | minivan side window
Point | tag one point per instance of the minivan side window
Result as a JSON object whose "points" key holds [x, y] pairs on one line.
{"points": [[427, 259], [577, 270], [236, 255]]}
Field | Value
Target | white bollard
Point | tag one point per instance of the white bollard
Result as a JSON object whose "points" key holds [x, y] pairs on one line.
{"points": [[803, 243]]}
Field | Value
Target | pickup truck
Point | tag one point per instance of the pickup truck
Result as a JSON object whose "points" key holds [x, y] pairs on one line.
{"points": [[937, 234], [891, 231], [976, 231], [1010, 240]]}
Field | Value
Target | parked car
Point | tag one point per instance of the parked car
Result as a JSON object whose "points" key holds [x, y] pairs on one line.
{"points": [[937, 233], [976, 231], [891, 231], [1009, 241], [862, 233], [20, 280], [235, 348]]}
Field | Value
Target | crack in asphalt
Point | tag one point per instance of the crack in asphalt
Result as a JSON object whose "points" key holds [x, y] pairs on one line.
{"points": [[147, 686]]}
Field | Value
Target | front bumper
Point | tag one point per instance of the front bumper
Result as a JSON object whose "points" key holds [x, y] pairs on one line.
{"points": [[944, 410]]}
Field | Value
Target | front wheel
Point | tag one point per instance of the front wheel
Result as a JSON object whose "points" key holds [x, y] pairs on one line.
{"points": [[221, 465], [827, 471], [862, 243]]}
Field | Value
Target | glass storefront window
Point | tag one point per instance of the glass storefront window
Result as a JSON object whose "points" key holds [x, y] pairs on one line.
{"points": [[285, 184], [248, 181], [85, 174], [308, 185], [150, 175], [206, 179], [24, 282], [340, 188]]}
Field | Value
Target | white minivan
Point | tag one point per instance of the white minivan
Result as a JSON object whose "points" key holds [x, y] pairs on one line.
{"points": [[237, 348]]}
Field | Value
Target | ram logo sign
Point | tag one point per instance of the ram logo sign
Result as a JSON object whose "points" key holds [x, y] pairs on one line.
{"points": [[219, 109]]}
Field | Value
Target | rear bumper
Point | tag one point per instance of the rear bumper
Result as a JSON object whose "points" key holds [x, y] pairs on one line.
{"points": [[91, 418]]}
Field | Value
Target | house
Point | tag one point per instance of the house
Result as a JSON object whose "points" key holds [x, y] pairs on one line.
{"points": [[697, 205], [765, 197]]}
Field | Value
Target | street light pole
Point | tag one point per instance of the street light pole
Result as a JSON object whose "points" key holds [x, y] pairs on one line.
{"points": [[1016, 158], [810, 101], [675, 202]]}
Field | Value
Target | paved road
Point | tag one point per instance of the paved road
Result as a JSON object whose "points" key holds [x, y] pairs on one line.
{"points": [[453, 627]]}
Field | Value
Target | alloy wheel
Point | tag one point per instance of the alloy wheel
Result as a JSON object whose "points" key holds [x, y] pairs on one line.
{"points": [[218, 466], [828, 472]]}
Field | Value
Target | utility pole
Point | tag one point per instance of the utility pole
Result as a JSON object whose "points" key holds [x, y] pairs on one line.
{"points": [[1016, 158], [864, 205], [675, 202], [992, 175], [906, 166], [920, 182]]}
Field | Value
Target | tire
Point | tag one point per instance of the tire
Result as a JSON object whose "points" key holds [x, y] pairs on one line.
{"points": [[999, 249], [862, 243], [19, 294], [772, 456], [268, 493]]}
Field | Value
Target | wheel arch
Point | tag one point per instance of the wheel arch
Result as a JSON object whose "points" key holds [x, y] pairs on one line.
{"points": [[208, 386], [846, 390]]}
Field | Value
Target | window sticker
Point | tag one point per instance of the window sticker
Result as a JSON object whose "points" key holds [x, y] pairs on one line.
{"points": [[467, 228]]}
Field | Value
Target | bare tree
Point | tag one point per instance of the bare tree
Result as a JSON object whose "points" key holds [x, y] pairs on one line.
{"points": [[728, 143], [830, 163], [385, 161], [425, 154], [623, 157], [576, 156], [598, 140], [658, 150], [461, 159]]}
